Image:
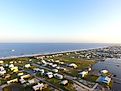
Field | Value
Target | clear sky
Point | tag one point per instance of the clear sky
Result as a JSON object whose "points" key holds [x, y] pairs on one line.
{"points": [[60, 21]]}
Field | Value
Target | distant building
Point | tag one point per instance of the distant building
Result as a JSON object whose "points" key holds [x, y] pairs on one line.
{"points": [[2, 70], [32, 81], [20, 74], [25, 76], [49, 74], [12, 81], [14, 69], [27, 65], [58, 76], [83, 73], [64, 82], [73, 65], [38, 86], [104, 71], [104, 79], [1, 62], [55, 70]]}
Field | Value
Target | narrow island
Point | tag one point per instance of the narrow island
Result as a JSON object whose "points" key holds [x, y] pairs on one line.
{"points": [[67, 71]]}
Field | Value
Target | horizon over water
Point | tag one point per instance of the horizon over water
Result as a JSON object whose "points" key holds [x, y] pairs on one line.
{"points": [[21, 49]]}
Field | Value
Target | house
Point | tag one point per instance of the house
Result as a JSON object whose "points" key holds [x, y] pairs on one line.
{"points": [[73, 65], [42, 71], [1, 62], [44, 62], [14, 69], [25, 76], [20, 74], [55, 70], [11, 65], [36, 69], [38, 86], [49, 74], [27, 65], [22, 80], [83, 73], [58, 76], [12, 81], [2, 70], [11, 62], [54, 65], [7, 76], [104, 79], [64, 82], [89, 69], [32, 81], [104, 71]]}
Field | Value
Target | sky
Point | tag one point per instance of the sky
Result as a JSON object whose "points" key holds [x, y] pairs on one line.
{"points": [[67, 21]]}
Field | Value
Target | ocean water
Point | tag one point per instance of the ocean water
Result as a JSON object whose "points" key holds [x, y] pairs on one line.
{"points": [[19, 49]]}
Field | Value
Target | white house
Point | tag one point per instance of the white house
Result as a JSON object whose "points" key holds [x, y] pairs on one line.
{"points": [[64, 82], [38, 86], [27, 65], [22, 81], [49, 74], [25, 76], [54, 65], [55, 70], [58, 76], [73, 65], [1, 62], [12, 81], [2, 70], [83, 73], [104, 71], [11, 65], [32, 81]]}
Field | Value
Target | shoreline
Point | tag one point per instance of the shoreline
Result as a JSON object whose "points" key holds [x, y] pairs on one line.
{"points": [[45, 54]]}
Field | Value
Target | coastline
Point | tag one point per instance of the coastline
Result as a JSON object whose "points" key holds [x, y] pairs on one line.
{"points": [[45, 54]]}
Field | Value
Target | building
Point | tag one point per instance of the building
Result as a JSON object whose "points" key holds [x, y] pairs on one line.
{"points": [[14, 69], [73, 65], [64, 82], [22, 80], [27, 65], [25, 76], [104, 71], [1, 62], [55, 70], [104, 79], [54, 65], [12, 81], [11, 66], [2, 70], [58, 76], [20, 74], [38, 86], [49, 74], [32, 81], [83, 73]]}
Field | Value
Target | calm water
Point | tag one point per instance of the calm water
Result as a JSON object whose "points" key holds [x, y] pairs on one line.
{"points": [[114, 66], [42, 48]]}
